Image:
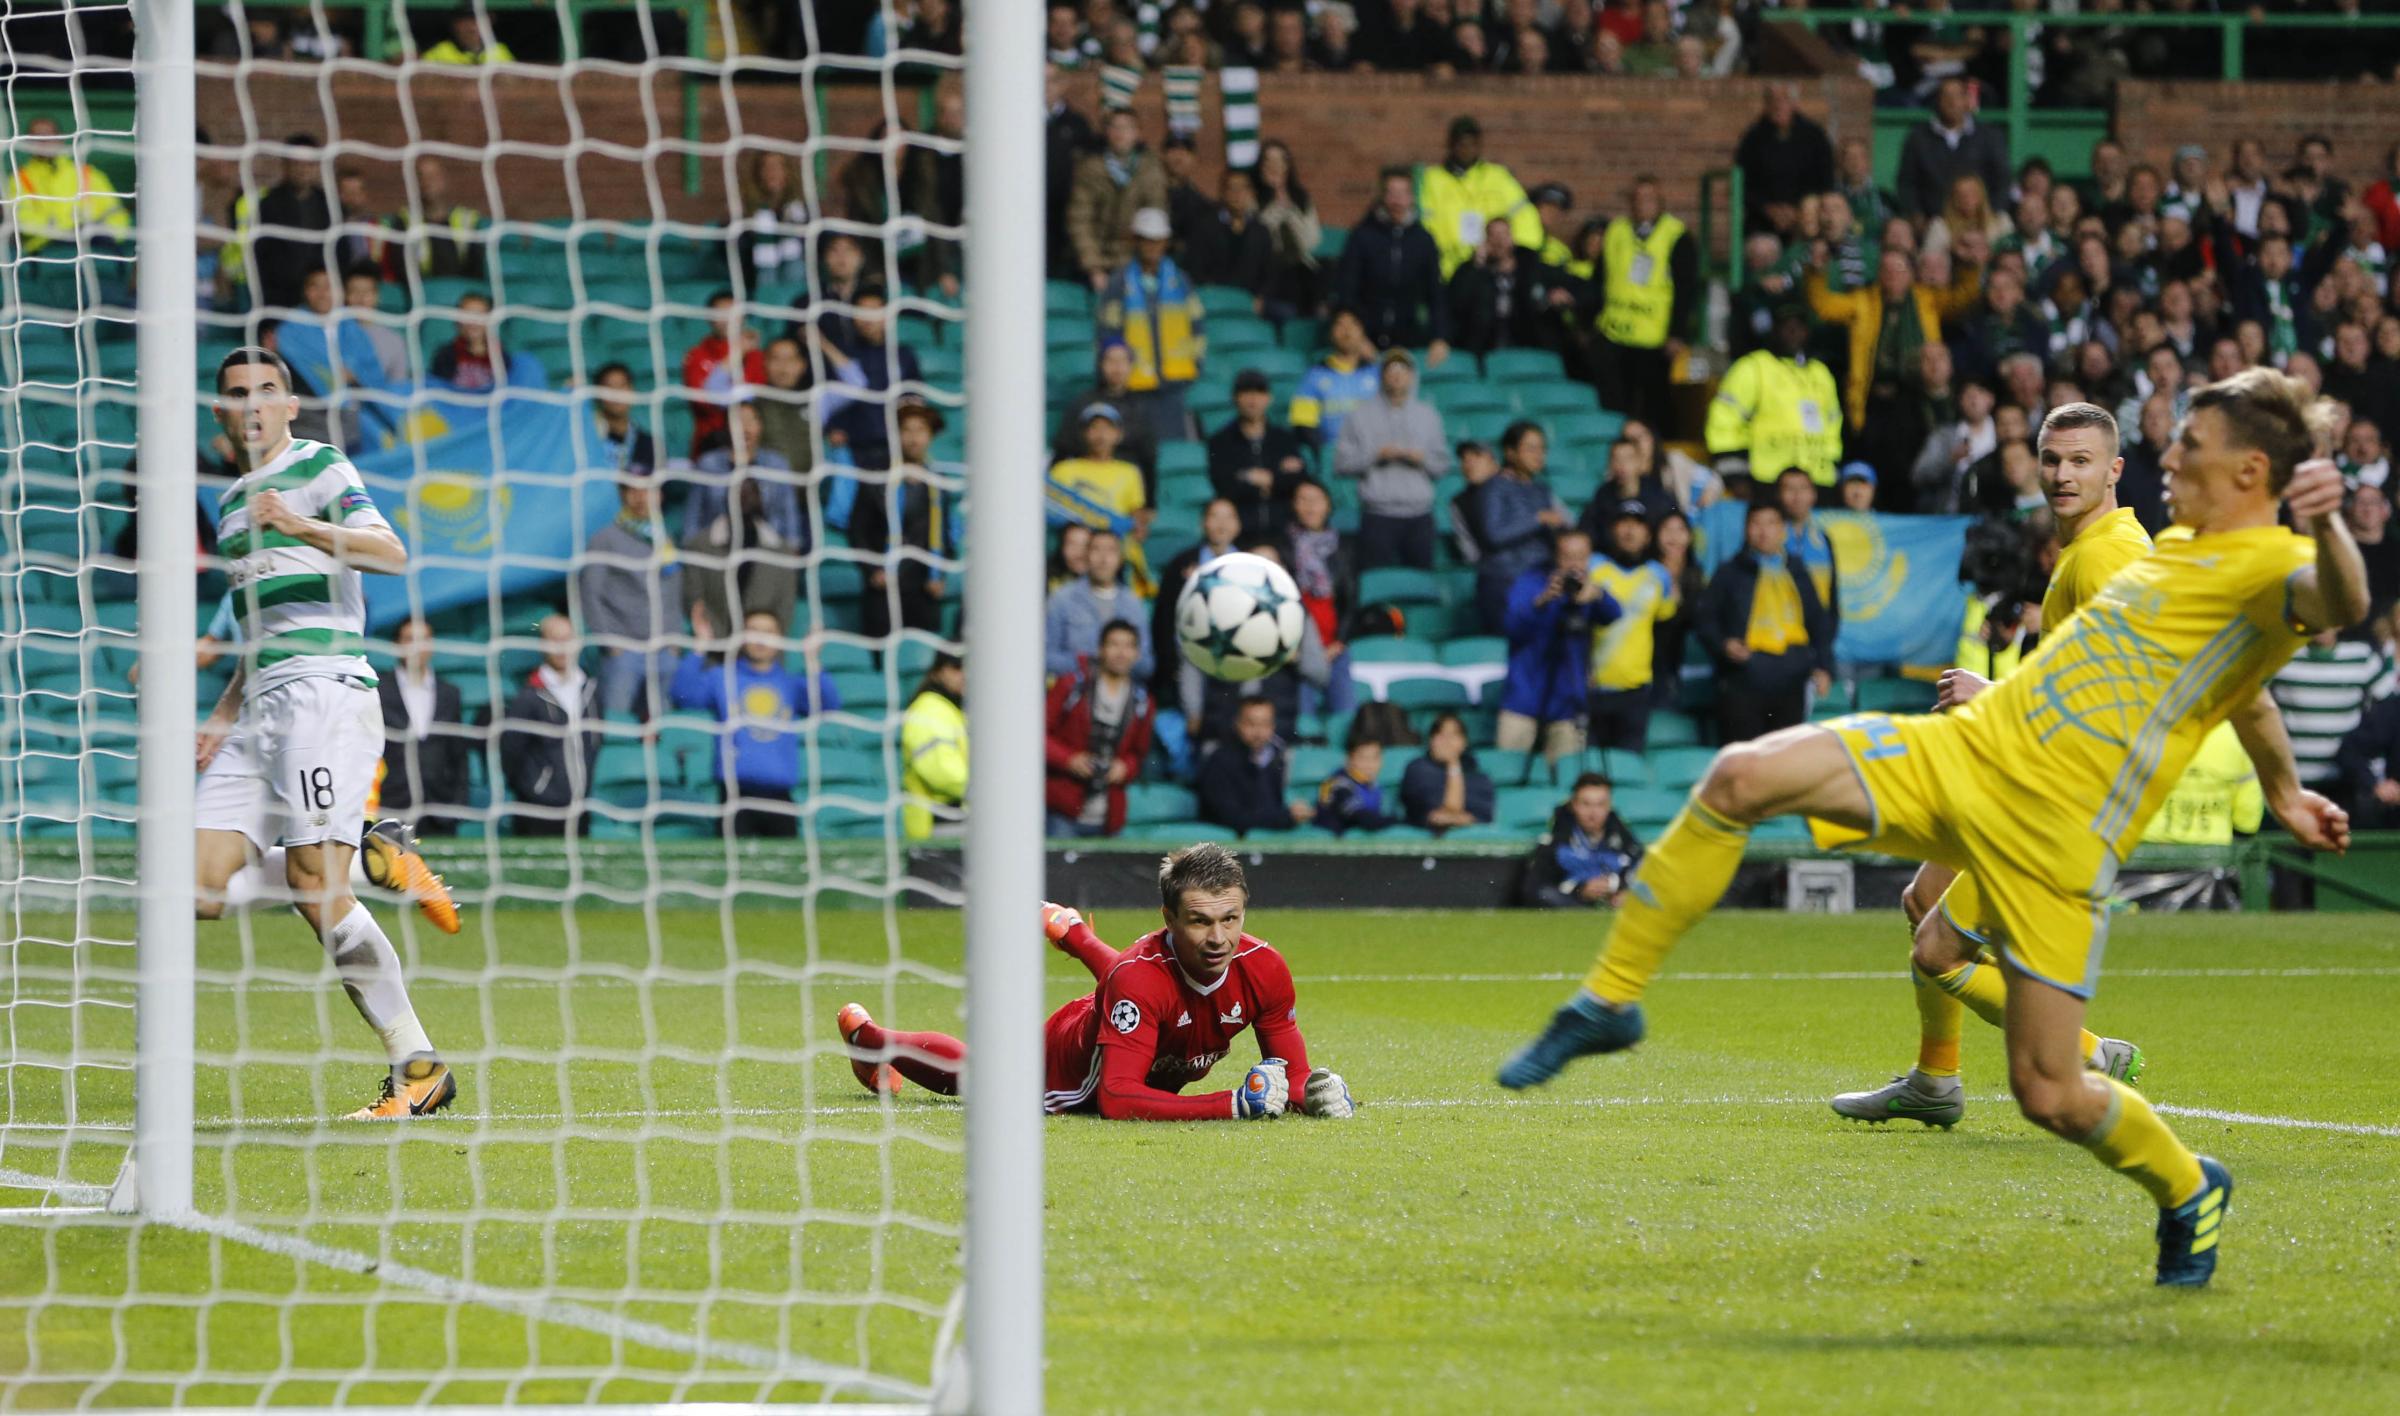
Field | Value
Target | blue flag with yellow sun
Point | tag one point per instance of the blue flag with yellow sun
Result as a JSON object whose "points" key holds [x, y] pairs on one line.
{"points": [[1897, 577], [498, 502]]}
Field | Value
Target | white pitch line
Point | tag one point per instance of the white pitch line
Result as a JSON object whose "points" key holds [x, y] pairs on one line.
{"points": [[926, 1107], [111, 993], [558, 1312], [2293, 1123]]}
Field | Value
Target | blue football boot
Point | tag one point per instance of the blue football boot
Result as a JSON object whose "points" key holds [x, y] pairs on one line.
{"points": [[2188, 1233], [1582, 1026]]}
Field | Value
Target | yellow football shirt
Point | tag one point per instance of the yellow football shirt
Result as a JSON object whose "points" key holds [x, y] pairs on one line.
{"points": [[1621, 651], [2090, 561], [1083, 487], [2101, 721]]}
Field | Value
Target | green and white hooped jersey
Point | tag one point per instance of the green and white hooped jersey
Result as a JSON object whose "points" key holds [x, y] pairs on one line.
{"points": [[303, 614]]}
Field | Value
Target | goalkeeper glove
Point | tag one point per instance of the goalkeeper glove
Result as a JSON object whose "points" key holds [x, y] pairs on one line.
{"points": [[1327, 1095], [1265, 1093], [1058, 919]]}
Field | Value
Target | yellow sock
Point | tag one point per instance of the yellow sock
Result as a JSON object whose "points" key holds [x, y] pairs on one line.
{"points": [[2133, 1140], [1938, 1018], [1681, 878], [1982, 988]]}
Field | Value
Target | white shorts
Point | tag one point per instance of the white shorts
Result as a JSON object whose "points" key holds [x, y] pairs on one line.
{"points": [[297, 768]]}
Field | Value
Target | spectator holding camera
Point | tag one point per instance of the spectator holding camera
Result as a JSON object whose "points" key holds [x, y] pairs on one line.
{"points": [[1552, 611], [1099, 722]]}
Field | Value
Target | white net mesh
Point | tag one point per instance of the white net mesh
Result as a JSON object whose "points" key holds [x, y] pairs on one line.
{"points": [[660, 1180]]}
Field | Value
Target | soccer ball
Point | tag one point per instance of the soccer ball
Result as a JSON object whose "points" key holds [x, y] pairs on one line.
{"points": [[1240, 618]]}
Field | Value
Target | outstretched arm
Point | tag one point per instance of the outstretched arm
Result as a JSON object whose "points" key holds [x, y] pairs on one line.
{"points": [[2313, 821], [2331, 594]]}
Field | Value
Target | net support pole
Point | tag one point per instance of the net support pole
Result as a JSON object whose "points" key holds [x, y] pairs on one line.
{"points": [[1004, 863], [165, 213]]}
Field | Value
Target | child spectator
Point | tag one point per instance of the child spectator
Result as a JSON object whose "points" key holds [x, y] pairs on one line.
{"points": [[1352, 798], [1445, 788]]}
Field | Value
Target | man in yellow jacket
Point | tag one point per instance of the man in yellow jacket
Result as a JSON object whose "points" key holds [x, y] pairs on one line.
{"points": [[54, 196], [1883, 359], [1779, 408], [1456, 200], [933, 749]]}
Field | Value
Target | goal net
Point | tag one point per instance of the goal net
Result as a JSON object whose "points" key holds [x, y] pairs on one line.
{"points": [[654, 359]]}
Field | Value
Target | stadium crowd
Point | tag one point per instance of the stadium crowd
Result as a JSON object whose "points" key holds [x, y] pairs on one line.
{"points": [[1890, 350]]}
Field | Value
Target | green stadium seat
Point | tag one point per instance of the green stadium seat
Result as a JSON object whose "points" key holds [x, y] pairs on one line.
{"points": [[1489, 831], [1509, 365], [1155, 803], [1070, 334], [1508, 767], [1450, 373], [1620, 765], [1552, 399], [1388, 649], [850, 766], [1417, 693], [1526, 808], [1225, 301], [1468, 402], [861, 691], [1182, 457], [1672, 729], [1304, 337], [1678, 768], [1648, 808], [1311, 765], [1232, 339], [1400, 585], [1576, 486], [1475, 650], [1330, 241], [1067, 297], [1596, 428], [1894, 695]]}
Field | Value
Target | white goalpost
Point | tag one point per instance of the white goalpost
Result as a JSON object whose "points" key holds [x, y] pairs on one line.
{"points": [[661, 1182]]}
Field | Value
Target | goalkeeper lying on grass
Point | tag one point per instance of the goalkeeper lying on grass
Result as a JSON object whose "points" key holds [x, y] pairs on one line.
{"points": [[1166, 1011]]}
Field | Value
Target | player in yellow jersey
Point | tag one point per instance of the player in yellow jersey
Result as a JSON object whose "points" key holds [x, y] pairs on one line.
{"points": [[1949, 964], [2041, 784]]}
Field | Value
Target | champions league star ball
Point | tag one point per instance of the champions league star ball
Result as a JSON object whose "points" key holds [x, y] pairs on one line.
{"points": [[1240, 618]]}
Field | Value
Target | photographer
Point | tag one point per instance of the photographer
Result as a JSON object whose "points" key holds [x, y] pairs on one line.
{"points": [[1552, 612], [2004, 616], [1589, 851]]}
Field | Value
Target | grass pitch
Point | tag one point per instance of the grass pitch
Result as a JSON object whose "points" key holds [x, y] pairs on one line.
{"points": [[1684, 1229]]}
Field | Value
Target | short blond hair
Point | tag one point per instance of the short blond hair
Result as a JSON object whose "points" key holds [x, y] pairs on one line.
{"points": [[2270, 411]]}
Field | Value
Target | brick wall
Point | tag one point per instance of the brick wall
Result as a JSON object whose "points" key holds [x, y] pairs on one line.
{"points": [[374, 120], [1592, 134], [2363, 120]]}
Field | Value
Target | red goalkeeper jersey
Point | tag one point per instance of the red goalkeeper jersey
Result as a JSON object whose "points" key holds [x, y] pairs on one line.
{"points": [[1130, 1047]]}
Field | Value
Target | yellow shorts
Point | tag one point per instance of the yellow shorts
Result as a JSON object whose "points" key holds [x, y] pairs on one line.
{"points": [[2032, 883]]}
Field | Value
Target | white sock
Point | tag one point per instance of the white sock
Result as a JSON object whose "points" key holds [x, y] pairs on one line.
{"points": [[260, 879], [370, 972]]}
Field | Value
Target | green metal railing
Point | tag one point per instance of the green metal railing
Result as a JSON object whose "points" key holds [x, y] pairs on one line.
{"points": [[1730, 178], [2017, 115]]}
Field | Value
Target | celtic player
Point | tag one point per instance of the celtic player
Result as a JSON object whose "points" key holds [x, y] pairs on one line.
{"points": [[2041, 785], [289, 753]]}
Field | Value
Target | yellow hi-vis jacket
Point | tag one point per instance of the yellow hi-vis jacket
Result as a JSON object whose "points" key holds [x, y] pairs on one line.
{"points": [[933, 758], [1782, 412], [57, 195], [2217, 795], [1456, 207], [1640, 285]]}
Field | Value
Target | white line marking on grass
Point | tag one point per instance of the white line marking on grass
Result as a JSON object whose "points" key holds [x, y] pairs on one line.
{"points": [[915, 1106], [2294, 1123], [1848, 975], [558, 1312]]}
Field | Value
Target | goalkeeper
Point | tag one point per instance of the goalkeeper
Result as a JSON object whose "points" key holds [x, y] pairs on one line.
{"points": [[1166, 1012]]}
